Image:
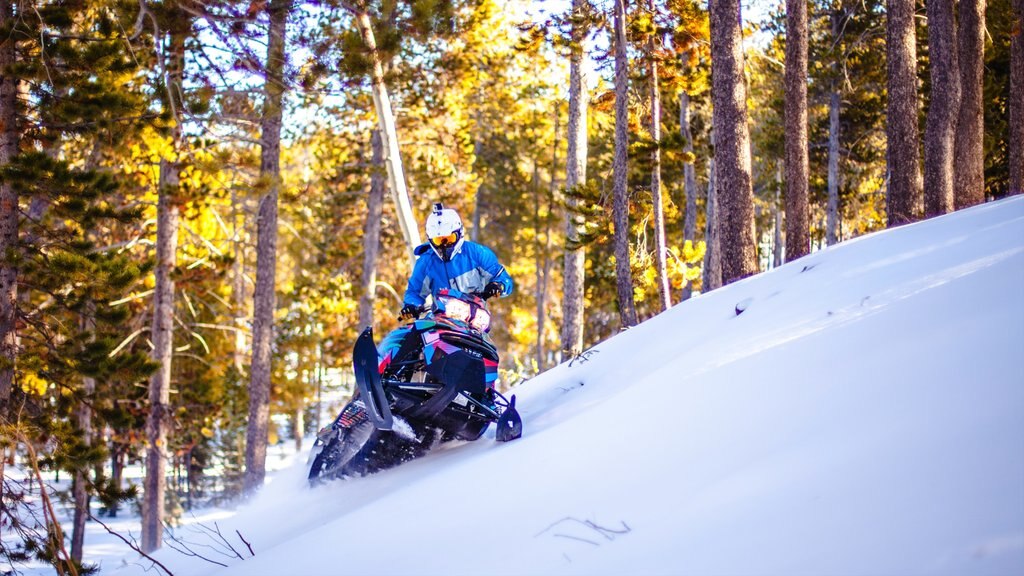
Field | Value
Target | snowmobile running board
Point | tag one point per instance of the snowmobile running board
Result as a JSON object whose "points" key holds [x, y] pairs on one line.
{"points": [[365, 367]]}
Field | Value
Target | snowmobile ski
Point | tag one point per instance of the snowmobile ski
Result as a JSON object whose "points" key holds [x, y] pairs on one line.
{"points": [[510, 425], [364, 365]]}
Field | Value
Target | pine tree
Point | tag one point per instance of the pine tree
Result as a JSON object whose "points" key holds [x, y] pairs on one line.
{"points": [[623, 272], [902, 157], [733, 192], [798, 241], [969, 156], [943, 108]]}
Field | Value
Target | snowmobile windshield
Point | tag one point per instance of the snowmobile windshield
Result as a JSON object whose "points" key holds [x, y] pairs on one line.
{"points": [[464, 308]]}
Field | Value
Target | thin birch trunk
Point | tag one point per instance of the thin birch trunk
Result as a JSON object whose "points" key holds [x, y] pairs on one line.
{"points": [[834, 103], [903, 160], [264, 300], [969, 156], [371, 237], [943, 109], [689, 182], [575, 175], [620, 210], [777, 238], [798, 235], [389, 135], [734, 194], [660, 244]]}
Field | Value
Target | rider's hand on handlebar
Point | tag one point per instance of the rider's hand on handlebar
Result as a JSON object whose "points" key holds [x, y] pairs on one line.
{"points": [[493, 289], [410, 312]]}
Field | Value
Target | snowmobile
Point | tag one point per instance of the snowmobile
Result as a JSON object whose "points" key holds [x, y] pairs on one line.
{"points": [[432, 380]]}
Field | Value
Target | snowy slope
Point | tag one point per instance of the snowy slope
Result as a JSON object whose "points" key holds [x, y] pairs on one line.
{"points": [[863, 415]]}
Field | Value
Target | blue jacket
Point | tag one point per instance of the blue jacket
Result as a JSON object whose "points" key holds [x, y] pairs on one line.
{"points": [[469, 270]]}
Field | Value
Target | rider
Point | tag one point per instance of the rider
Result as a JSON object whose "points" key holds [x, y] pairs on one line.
{"points": [[448, 260]]}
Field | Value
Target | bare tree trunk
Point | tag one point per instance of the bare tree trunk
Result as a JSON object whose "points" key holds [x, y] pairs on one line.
{"points": [[689, 181], [1016, 103], [371, 238], [712, 253], [299, 426], [575, 175], [733, 192], [389, 135], [238, 284], [620, 209], [264, 300], [943, 109], [834, 103], [162, 331], [544, 252], [798, 235], [903, 159], [660, 244], [80, 491], [969, 156], [9, 139], [777, 242]]}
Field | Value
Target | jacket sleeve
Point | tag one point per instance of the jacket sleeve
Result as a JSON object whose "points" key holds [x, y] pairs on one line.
{"points": [[489, 262], [419, 283]]}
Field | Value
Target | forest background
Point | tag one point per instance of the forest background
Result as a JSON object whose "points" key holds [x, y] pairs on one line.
{"points": [[202, 203]]}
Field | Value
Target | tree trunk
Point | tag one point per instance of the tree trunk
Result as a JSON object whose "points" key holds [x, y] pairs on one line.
{"points": [[1016, 103], [834, 103], [389, 135], [660, 245], [969, 155], [798, 235], [943, 109], [162, 332], [733, 192], [777, 242], [544, 252], [371, 239], [264, 300], [238, 284], [712, 254], [9, 138], [575, 175], [689, 181], [903, 159], [620, 209]]}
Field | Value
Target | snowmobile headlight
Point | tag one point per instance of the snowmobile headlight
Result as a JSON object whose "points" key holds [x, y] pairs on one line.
{"points": [[481, 320], [458, 310]]}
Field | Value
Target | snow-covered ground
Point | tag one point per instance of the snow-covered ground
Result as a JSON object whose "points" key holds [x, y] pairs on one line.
{"points": [[864, 414]]}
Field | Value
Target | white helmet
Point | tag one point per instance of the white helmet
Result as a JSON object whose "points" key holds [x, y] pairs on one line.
{"points": [[444, 232]]}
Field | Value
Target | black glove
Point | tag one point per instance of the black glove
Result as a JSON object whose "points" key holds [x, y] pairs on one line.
{"points": [[493, 289], [410, 312]]}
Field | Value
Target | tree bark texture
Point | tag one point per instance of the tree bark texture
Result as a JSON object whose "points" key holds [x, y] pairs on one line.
{"points": [[689, 181], [1016, 103], [969, 156], [162, 331], [943, 109], [620, 209], [371, 238], [9, 139], [660, 244], [712, 254], [834, 103], [798, 228], [733, 192], [903, 160], [575, 175], [264, 300], [389, 134], [543, 264]]}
